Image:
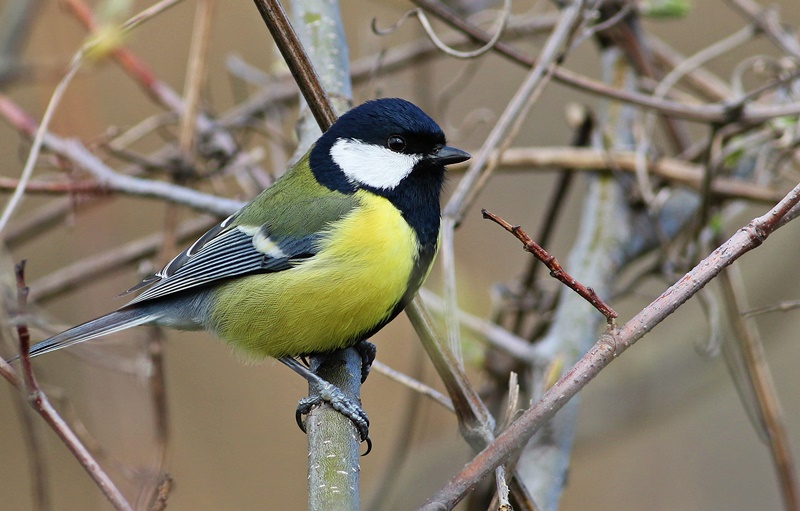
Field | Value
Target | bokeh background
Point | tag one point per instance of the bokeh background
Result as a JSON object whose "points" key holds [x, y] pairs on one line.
{"points": [[662, 428]]}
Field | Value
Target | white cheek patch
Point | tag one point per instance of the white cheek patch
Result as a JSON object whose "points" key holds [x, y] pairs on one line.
{"points": [[372, 165]]}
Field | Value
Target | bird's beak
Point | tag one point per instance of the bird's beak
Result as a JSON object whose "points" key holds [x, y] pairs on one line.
{"points": [[447, 155]]}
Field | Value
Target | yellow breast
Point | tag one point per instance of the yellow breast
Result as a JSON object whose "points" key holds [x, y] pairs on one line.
{"points": [[351, 285]]}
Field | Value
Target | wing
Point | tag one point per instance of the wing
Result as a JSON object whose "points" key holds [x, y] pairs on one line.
{"points": [[276, 231], [222, 253]]}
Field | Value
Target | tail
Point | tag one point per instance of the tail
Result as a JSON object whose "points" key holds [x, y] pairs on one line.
{"points": [[108, 324]]}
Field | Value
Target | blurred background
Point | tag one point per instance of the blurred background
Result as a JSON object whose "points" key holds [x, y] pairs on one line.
{"points": [[662, 428]]}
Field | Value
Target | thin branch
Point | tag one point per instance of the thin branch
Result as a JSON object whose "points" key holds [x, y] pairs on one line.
{"points": [[413, 384], [296, 58], [495, 336], [38, 139], [556, 271], [714, 113], [760, 377], [77, 153], [607, 349], [39, 401], [699, 78], [676, 171], [441, 45], [777, 307], [149, 13], [198, 54], [482, 165], [765, 18]]}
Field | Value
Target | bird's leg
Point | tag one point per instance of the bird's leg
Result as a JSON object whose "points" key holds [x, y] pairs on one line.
{"points": [[367, 350], [330, 393]]}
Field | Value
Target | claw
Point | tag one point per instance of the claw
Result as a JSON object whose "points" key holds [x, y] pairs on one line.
{"points": [[367, 350], [333, 395]]}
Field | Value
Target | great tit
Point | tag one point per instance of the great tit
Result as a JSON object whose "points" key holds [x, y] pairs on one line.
{"points": [[320, 260]]}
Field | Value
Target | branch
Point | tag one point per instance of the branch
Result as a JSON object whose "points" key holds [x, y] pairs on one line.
{"points": [[676, 171], [296, 58], [39, 401], [106, 177], [714, 113], [607, 349], [556, 270]]}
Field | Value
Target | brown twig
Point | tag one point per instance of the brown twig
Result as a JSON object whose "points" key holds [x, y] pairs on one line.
{"points": [[157, 89], [77, 153], [760, 379], [296, 58], [54, 187], [583, 129], [413, 384], [777, 307], [676, 171], [608, 348], [556, 271], [39, 401], [198, 53], [700, 113]]}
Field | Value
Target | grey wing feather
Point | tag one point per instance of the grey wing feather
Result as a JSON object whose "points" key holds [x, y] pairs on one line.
{"points": [[224, 254]]}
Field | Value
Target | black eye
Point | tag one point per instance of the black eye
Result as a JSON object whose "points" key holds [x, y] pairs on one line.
{"points": [[396, 143]]}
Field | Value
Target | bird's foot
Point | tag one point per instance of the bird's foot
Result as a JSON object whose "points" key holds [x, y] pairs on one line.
{"points": [[367, 350], [333, 395]]}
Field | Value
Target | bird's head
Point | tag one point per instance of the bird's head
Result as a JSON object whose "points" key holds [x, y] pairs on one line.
{"points": [[388, 146]]}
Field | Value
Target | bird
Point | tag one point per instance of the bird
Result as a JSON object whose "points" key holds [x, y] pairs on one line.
{"points": [[319, 261]]}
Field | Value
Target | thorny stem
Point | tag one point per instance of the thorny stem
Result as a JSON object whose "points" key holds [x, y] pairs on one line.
{"points": [[556, 271]]}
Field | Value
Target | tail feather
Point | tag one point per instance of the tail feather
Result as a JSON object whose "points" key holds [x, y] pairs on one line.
{"points": [[108, 324]]}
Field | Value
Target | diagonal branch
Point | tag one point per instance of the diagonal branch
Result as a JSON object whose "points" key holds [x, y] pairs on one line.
{"points": [[607, 349]]}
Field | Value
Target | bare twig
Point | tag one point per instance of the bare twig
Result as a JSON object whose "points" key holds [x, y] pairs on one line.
{"points": [[713, 113], [777, 307], [676, 171], [76, 152], [198, 53], [767, 22], [556, 271], [447, 50], [760, 377], [296, 58], [608, 348], [149, 13], [40, 403], [415, 385], [38, 139]]}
